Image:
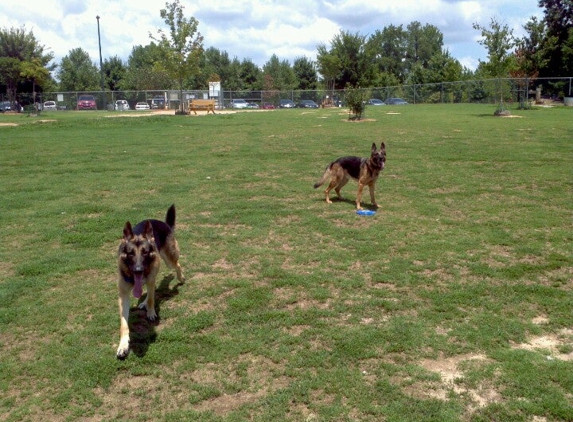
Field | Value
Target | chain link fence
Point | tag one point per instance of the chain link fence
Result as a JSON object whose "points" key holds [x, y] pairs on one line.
{"points": [[521, 92]]}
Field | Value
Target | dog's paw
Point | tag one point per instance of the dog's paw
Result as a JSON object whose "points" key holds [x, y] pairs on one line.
{"points": [[142, 305], [122, 351], [151, 315]]}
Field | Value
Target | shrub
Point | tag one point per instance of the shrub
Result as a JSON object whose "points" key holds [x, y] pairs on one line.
{"points": [[356, 101]]}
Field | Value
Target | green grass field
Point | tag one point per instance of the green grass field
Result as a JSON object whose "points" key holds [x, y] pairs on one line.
{"points": [[453, 303]]}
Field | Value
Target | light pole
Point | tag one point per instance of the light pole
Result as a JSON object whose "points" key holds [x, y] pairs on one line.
{"points": [[100, 65]]}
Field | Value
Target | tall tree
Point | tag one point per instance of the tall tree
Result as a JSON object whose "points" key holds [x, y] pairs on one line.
{"points": [[499, 42], [347, 54], [216, 62], [18, 47], [281, 74], [272, 73], [183, 47], [250, 75], [114, 73], [423, 43], [234, 81], [387, 48], [350, 48], [558, 18], [329, 66], [530, 54], [77, 72], [142, 72], [305, 73], [34, 71]]}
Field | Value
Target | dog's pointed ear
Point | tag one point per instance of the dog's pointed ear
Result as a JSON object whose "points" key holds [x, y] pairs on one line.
{"points": [[127, 231], [383, 146], [148, 230], [374, 147]]}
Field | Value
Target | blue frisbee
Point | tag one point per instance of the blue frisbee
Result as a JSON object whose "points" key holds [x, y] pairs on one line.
{"points": [[365, 212]]}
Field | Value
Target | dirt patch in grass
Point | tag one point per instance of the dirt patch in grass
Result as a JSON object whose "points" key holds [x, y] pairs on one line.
{"points": [[451, 376], [254, 376], [555, 345]]}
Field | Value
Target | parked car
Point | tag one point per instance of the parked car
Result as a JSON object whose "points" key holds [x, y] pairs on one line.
{"points": [[121, 105], [268, 106], [49, 105], [87, 102], [252, 105], [307, 104], [395, 101], [142, 106], [8, 106], [286, 104], [239, 103], [158, 102], [376, 102]]}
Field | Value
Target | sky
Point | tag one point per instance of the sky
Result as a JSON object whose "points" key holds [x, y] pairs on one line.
{"points": [[257, 29]]}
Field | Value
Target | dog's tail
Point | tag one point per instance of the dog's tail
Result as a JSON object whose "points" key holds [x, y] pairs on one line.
{"points": [[324, 176], [170, 217]]}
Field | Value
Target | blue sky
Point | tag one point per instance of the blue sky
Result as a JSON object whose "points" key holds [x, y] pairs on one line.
{"points": [[257, 29]]}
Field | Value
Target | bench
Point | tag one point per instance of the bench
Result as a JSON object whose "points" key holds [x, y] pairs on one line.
{"points": [[208, 105]]}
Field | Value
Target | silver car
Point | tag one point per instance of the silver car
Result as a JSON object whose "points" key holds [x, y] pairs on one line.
{"points": [[121, 105], [49, 105], [239, 103]]}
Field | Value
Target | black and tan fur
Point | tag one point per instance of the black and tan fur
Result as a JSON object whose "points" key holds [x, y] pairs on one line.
{"points": [[138, 264], [364, 170]]}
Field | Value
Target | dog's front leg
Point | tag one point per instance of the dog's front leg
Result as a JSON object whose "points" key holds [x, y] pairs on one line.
{"points": [[372, 198], [123, 349], [359, 196], [149, 301]]}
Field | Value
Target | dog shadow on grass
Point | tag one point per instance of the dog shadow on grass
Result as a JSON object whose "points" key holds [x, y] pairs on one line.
{"points": [[366, 206], [142, 332]]}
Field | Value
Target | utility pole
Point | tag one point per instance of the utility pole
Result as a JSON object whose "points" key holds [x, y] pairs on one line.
{"points": [[101, 66]]}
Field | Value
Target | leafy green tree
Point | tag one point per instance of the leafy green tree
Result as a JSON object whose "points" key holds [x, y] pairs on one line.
{"points": [[182, 48], [530, 55], [77, 72], [114, 73], [305, 73], [329, 66], [558, 19], [349, 49], [216, 62], [142, 71], [234, 81], [273, 78], [21, 57], [280, 73], [250, 76], [499, 42], [34, 71], [422, 44], [387, 48]]}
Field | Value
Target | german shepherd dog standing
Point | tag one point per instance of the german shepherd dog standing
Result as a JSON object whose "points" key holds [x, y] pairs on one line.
{"points": [[138, 264], [364, 170]]}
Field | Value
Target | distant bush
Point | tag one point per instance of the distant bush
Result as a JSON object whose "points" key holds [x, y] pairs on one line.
{"points": [[356, 101]]}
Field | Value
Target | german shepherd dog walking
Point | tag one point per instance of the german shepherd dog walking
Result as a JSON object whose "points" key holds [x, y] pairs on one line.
{"points": [[364, 170], [138, 264]]}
